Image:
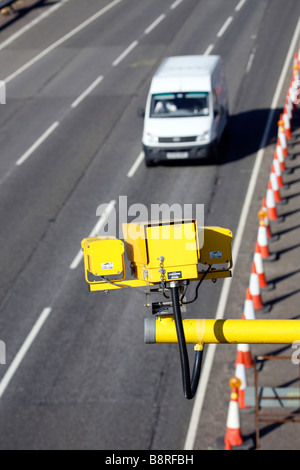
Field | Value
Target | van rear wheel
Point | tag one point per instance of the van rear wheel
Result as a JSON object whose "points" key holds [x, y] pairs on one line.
{"points": [[214, 153]]}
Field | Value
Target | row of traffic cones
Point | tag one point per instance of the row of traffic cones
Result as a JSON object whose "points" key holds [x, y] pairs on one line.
{"points": [[253, 300], [268, 212]]}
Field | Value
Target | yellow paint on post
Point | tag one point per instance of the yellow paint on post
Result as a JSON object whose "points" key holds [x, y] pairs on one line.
{"points": [[229, 331]]}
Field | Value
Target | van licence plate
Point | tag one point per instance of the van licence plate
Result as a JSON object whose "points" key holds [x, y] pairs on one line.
{"points": [[177, 155]]}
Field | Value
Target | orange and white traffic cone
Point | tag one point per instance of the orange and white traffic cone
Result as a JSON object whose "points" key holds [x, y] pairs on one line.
{"points": [[263, 239], [296, 59], [278, 172], [259, 266], [270, 236], [255, 291], [233, 439], [296, 70], [282, 138], [287, 119], [248, 312], [243, 356], [233, 434], [280, 156], [271, 205], [275, 187], [289, 103], [240, 373], [294, 86]]}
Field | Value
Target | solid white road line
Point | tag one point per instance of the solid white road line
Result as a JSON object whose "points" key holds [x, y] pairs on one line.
{"points": [[94, 232], [125, 53], [207, 366], [154, 24], [87, 92], [23, 350], [224, 27], [37, 143], [62, 40], [136, 164]]}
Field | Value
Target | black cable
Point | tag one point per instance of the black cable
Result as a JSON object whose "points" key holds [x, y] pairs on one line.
{"points": [[196, 371], [184, 294], [197, 288], [189, 387], [121, 285]]}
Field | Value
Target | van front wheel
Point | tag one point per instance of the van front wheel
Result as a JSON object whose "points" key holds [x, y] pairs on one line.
{"points": [[149, 163]]}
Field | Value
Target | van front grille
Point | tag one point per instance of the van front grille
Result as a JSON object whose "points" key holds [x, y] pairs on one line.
{"points": [[175, 140]]}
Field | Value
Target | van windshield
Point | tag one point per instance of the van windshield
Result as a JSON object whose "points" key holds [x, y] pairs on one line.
{"points": [[187, 104]]}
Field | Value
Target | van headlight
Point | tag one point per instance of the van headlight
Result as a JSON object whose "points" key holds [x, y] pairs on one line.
{"points": [[152, 139], [203, 137]]}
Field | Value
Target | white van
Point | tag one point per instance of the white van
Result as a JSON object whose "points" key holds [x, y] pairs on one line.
{"points": [[187, 109]]}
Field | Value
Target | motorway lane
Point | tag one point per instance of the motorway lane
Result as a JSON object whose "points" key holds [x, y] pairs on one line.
{"points": [[15, 305], [44, 93], [49, 84], [50, 105], [72, 368]]}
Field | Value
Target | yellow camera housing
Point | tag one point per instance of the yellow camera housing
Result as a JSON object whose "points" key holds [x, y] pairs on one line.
{"points": [[162, 250], [158, 252], [216, 247], [103, 257]]}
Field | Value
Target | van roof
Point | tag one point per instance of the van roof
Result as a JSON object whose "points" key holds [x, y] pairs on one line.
{"points": [[188, 65], [184, 73]]}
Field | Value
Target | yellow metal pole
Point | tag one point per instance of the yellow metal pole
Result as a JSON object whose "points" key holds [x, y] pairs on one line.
{"points": [[163, 330]]}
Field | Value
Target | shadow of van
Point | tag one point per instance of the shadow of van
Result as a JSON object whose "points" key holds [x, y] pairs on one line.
{"points": [[243, 137]]}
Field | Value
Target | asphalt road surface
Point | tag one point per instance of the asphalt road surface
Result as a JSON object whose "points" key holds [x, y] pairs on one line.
{"points": [[78, 374]]}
